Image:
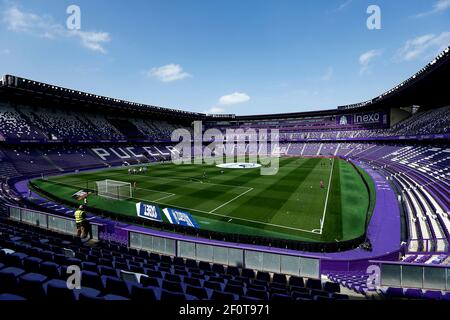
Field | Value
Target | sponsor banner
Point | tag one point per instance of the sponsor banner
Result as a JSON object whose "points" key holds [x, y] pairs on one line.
{"points": [[181, 218], [148, 211], [373, 118], [344, 120], [370, 118], [125, 153], [80, 195]]}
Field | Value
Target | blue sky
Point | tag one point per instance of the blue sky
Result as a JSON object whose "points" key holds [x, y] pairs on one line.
{"points": [[228, 56]]}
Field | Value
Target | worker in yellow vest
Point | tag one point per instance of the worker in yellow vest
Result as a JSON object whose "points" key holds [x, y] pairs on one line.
{"points": [[82, 223]]}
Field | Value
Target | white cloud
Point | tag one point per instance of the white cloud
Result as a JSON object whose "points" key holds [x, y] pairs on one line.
{"points": [[234, 98], [345, 4], [327, 75], [423, 46], [438, 7], [366, 58], [92, 40], [214, 110], [168, 73], [43, 26]]}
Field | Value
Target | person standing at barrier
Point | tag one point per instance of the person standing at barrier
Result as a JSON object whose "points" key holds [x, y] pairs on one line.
{"points": [[82, 223]]}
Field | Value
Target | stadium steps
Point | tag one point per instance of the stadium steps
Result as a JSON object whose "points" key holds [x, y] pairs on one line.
{"points": [[34, 120], [7, 169], [47, 158]]}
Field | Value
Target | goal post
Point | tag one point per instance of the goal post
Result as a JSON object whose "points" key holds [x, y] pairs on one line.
{"points": [[112, 189]]}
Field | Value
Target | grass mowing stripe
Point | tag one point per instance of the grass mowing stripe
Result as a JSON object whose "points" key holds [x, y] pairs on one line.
{"points": [[332, 229], [289, 204], [303, 201], [322, 221]]}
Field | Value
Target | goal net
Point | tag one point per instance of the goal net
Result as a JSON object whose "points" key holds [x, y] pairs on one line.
{"points": [[117, 190]]}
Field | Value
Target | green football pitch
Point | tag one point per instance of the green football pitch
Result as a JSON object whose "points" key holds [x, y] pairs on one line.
{"points": [[288, 205]]}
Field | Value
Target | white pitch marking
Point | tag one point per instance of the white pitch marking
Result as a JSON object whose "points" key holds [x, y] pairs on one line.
{"points": [[217, 214], [180, 179], [245, 192], [165, 197], [322, 221], [235, 218]]}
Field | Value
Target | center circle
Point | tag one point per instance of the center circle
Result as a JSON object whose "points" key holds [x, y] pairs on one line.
{"points": [[239, 165]]}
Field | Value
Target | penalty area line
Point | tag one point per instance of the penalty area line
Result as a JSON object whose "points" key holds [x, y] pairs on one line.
{"points": [[238, 196]]}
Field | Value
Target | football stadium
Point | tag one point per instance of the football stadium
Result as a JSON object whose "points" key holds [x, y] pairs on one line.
{"points": [[104, 198]]}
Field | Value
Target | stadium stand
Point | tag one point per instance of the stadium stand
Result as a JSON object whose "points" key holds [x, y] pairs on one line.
{"points": [[406, 148], [33, 265]]}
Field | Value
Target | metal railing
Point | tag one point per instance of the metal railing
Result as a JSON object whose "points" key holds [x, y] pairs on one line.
{"points": [[231, 254], [411, 275], [241, 256], [48, 221]]}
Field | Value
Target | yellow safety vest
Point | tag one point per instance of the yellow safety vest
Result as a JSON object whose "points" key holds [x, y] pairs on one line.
{"points": [[79, 216]]}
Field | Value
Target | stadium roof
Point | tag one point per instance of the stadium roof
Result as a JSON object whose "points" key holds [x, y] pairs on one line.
{"points": [[21, 90], [428, 88]]}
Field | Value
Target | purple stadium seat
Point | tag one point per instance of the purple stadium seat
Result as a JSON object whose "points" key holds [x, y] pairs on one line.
{"points": [[191, 264], [218, 268], [113, 297], [32, 264], [413, 294], [433, 294], [238, 290], [280, 297], [263, 276], [91, 280], [216, 279], [9, 279], [192, 281], [116, 286], [31, 285], [50, 269], [172, 277], [332, 287], [154, 274], [57, 290], [259, 294], [248, 273], [10, 297], [339, 296], [233, 271], [314, 284], [172, 286], [216, 286], [150, 282], [89, 266], [15, 259], [86, 297], [205, 266], [279, 278], [172, 296], [107, 271], [394, 292], [222, 296], [198, 292], [139, 293]]}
